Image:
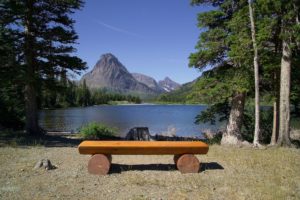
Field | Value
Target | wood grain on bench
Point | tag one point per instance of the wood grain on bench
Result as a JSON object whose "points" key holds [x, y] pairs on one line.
{"points": [[143, 147]]}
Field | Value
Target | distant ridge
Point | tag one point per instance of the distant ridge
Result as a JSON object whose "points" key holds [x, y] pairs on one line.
{"points": [[149, 81]]}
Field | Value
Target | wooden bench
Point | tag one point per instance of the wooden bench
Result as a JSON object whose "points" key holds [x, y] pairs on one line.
{"points": [[183, 152]]}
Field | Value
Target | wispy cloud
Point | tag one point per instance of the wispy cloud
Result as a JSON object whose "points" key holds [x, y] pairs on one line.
{"points": [[117, 29]]}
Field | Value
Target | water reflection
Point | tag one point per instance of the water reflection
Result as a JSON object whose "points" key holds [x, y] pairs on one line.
{"points": [[159, 118]]}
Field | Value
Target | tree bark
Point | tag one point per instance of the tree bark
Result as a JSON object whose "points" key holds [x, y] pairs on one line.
{"points": [[275, 129], [30, 86], [256, 77], [232, 136], [285, 85]]}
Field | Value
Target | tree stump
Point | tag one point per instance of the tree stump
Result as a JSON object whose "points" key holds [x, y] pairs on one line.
{"points": [[187, 163], [139, 134], [99, 164]]}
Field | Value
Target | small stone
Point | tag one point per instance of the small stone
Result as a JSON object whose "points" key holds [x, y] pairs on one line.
{"points": [[39, 164], [44, 163]]}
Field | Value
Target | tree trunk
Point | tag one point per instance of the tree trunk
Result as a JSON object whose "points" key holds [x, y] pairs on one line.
{"points": [[31, 110], [30, 86], [285, 85], [275, 129], [232, 136], [256, 77]]}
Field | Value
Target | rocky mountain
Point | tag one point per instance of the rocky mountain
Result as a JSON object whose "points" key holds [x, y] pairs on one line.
{"points": [[168, 85], [149, 81], [181, 94], [111, 74]]}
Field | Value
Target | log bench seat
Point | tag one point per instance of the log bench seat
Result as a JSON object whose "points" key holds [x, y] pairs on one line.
{"points": [[183, 152]]}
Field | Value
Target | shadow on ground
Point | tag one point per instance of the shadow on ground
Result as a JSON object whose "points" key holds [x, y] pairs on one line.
{"points": [[210, 166], [47, 140], [119, 168], [21, 139]]}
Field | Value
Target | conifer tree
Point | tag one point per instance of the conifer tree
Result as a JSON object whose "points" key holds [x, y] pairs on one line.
{"points": [[44, 35], [224, 46]]}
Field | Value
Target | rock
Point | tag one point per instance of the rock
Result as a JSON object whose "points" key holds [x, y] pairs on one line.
{"points": [[44, 163], [138, 133]]}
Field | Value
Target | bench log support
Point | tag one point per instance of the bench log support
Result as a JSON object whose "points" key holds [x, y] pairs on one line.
{"points": [[187, 163], [99, 164]]}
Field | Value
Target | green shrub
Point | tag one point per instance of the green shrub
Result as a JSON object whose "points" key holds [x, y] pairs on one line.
{"points": [[216, 139], [95, 130]]}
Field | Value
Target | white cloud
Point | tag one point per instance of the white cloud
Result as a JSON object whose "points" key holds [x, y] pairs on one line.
{"points": [[117, 29]]}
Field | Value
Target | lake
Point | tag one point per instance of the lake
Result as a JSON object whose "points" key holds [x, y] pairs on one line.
{"points": [[177, 119]]}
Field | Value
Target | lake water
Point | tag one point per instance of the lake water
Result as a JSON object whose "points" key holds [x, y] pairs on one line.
{"points": [[159, 118]]}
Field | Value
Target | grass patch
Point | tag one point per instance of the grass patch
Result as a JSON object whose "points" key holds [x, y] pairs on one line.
{"points": [[94, 131]]}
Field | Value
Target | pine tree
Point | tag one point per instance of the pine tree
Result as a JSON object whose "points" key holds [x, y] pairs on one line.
{"points": [[44, 35], [286, 30], [290, 39], [224, 46], [224, 42]]}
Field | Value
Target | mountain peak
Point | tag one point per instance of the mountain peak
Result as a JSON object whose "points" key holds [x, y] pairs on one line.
{"points": [[111, 74], [168, 84], [167, 79], [108, 56], [108, 61]]}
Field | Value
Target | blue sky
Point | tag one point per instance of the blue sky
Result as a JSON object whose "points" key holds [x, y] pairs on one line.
{"points": [[153, 37]]}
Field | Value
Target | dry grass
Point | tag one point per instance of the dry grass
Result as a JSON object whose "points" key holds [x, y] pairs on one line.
{"points": [[272, 173]]}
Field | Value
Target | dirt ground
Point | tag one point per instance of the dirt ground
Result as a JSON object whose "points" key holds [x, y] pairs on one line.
{"points": [[226, 173]]}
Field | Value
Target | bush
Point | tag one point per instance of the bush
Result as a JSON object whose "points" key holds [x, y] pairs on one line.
{"points": [[95, 131], [212, 138]]}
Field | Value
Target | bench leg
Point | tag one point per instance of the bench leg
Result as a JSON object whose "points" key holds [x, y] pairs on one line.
{"points": [[99, 164], [187, 163]]}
